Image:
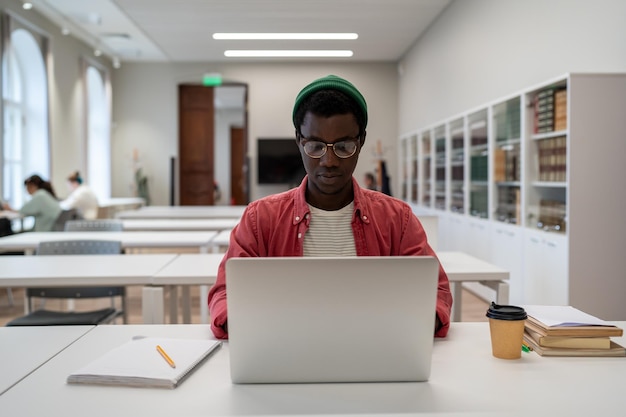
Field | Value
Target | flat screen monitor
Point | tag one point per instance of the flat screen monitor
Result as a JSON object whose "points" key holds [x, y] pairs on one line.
{"points": [[279, 161]]}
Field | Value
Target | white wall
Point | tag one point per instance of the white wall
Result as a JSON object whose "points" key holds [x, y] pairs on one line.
{"points": [[145, 115], [481, 50]]}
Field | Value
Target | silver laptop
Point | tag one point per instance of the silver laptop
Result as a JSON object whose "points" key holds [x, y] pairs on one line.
{"points": [[348, 319]]}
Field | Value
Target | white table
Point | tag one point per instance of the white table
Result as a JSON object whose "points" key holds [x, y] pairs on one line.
{"points": [[107, 208], [24, 349], [466, 380], [158, 225], [183, 212], [221, 241], [461, 267], [28, 242], [187, 269], [88, 270]]}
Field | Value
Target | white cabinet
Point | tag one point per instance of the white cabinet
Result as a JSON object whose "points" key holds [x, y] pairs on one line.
{"points": [[507, 252], [534, 183], [546, 271]]}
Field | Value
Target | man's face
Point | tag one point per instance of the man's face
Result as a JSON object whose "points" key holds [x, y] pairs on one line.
{"points": [[330, 177]]}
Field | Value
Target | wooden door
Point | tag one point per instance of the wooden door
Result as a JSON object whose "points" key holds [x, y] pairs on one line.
{"points": [[195, 145], [238, 167]]}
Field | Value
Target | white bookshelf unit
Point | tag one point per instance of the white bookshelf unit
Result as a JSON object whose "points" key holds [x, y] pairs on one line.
{"points": [[534, 183]]}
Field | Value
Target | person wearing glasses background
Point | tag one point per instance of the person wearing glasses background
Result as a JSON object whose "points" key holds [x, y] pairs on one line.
{"points": [[329, 214]]}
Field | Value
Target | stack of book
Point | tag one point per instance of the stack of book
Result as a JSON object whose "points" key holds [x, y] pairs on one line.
{"points": [[550, 110], [567, 331]]}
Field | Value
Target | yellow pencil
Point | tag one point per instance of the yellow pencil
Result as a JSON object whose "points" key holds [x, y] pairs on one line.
{"points": [[166, 356]]}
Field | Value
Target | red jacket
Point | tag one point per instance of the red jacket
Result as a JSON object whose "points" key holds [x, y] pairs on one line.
{"points": [[275, 226]]}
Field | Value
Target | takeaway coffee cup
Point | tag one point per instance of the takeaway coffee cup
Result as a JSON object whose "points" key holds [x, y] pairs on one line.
{"points": [[506, 324]]}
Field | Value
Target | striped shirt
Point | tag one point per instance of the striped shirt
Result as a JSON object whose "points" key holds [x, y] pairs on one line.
{"points": [[330, 233]]}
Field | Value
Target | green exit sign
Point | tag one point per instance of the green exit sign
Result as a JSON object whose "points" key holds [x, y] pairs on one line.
{"points": [[211, 80]]}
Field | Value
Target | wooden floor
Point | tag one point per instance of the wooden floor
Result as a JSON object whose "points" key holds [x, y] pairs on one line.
{"points": [[472, 309]]}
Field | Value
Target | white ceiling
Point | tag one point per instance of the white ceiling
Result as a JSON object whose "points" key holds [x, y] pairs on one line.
{"points": [[181, 30]]}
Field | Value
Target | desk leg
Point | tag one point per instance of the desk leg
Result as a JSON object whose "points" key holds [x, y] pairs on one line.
{"points": [[501, 288], [204, 306], [186, 305], [173, 290], [152, 305], [457, 295]]}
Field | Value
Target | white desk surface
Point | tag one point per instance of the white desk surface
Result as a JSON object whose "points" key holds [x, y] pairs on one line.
{"points": [[165, 239], [179, 224], [81, 270], [463, 267], [466, 380], [190, 269], [222, 239], [24, 349], [121, 201], [183, 212], [12, 215]]}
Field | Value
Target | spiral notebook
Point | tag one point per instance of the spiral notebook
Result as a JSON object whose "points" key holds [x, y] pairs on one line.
{"points": [[138, 363]]}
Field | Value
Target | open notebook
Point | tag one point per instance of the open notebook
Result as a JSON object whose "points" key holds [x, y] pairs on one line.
{"points": [[138, 363], [344, 319]]}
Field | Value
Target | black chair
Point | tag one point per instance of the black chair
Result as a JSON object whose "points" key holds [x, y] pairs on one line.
{"points": [[65, 216], [44, 317]]}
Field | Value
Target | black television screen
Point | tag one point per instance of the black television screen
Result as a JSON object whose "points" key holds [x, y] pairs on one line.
{"points": [[279, 161]]}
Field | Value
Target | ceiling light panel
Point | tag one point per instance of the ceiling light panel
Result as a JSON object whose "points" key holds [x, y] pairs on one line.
{"points": [[288, 53], [285, 36]]}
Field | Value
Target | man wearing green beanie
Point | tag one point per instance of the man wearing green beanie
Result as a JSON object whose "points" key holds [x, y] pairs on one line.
{"points": [[329, 214]]}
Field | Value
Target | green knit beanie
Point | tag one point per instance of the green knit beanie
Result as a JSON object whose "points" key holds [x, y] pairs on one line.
{"points": [[330, 82]]}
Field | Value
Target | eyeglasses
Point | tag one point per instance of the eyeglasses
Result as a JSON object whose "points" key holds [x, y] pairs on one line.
{"points": [[343, 149]]}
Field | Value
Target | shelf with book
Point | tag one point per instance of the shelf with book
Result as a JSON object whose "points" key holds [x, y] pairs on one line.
{"points": [[457, 165], [547, 156], [440, 167], [478, 164], [507, 160], [425, 179], [566, 244]]}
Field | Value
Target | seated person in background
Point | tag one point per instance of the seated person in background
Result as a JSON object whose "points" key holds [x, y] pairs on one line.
{"points": [[43, 205], [81, 197], [369, 181], [328, 214]]}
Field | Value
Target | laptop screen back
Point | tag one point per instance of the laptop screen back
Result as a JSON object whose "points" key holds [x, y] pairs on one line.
{"points": [[348, 319]]}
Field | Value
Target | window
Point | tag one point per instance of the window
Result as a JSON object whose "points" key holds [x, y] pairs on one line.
{"points": [[25, 141], [98, 131]]}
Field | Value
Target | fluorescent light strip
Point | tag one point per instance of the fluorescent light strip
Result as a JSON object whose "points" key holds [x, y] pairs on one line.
{"points": [[285, 53], [284, 36]]}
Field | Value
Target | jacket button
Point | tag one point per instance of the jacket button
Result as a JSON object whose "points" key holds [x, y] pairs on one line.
{"points": [[297, 218], [299, 235]]}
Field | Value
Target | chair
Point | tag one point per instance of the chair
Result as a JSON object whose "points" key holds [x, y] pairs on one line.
{"points": [[94, 225], [44, 317], [65, 216]]}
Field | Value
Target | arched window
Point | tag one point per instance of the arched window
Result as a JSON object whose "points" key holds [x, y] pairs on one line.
{"points": [[98, 131], [25, 139]]}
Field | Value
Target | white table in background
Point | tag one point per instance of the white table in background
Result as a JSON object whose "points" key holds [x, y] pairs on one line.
{"points": [[87, 270], [183, 212], [24, 349], [187, 269], [221, 241], [28, 242], [466, 380], [159, 225], [462, 267]]}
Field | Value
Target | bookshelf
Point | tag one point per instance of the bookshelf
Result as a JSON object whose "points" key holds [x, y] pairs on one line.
{"points": [[533, 184]]}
